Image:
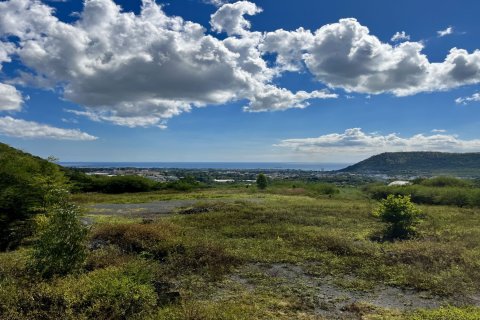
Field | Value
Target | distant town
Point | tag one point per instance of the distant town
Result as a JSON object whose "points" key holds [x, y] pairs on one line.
{"points": [[226, 176]]}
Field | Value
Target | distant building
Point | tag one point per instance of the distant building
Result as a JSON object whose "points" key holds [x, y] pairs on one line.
{"points": [[223, 180], [105, 174], [399, 183]]}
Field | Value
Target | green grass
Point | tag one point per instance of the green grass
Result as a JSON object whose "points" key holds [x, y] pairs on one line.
{"points": [[142, 197], [223, 262]]}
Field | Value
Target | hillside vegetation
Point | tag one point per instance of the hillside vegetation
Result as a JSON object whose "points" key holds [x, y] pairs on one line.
{"points": [[419, 163], [24, 180]]}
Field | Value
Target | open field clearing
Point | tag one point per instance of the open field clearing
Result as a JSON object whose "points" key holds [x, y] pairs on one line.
{"points": [[269, 257]]}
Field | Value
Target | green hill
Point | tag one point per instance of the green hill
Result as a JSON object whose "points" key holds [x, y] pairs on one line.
{"points": [[419, 163]]}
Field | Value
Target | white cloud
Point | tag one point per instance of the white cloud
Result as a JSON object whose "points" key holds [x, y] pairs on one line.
{"points": [[33, 130], [289, 46], [356, 142], [6, 49], [216, 3], [400, 36], [465, 100], [138, 70], [142, 69], [439, 130], [10, 98], [130, 120], [446, 32], [273, 98], [229, 18]]}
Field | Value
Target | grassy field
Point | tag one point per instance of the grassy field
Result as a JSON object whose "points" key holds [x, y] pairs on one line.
{"points": [[298, 252]]}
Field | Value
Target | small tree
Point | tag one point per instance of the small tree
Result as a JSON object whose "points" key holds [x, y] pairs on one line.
{"points": [[60, 248], [401, 214], [262, 181]]}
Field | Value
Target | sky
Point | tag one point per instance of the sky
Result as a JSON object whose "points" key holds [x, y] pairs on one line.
{"points": [[213, 80]]}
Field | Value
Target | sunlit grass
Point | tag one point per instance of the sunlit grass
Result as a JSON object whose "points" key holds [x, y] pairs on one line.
{"points": [[204, 255]]}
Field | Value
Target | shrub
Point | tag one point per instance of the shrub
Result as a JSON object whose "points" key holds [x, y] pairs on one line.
{"points": [[60, 248], [262, 181], [108, 256], [401, 215], [124, 292], [187, 183], [156, 239], [116, 293], [124, 184], [325, 188], [456, 196], [444, 181], [208, 258]]}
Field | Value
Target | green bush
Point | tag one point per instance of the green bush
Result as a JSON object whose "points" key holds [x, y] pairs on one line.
{"points": [[209, 259], [445, 181], [187, 183], [116, 293], [123, 292], [262, 181], [123, 184], [156, 239], [456, 196], [60, 248], [401, 215], [324, 188]]}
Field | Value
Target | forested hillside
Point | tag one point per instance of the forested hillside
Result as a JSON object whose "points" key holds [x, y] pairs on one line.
{"points": [[419, 163]]}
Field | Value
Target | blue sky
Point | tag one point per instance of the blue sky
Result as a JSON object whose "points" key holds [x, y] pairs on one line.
{"points": [[93, 82]]}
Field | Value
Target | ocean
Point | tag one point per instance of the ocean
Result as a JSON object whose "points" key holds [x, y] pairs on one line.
{"points": [[212, 165]]}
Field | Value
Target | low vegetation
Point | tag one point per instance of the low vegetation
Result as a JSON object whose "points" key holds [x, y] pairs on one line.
{"points": [[205, 266], [295, 250], [127, 184], [435, 191]]}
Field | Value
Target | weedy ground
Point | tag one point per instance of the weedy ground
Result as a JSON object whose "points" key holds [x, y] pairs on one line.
{"points": [[293, 254]]}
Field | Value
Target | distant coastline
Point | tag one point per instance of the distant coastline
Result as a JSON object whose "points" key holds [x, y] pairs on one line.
{"points": [[327, 166]]}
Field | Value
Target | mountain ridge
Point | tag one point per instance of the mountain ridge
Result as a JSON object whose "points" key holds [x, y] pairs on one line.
{"points": [[419, 163]]}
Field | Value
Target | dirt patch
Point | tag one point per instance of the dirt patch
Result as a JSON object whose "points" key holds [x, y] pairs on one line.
{"points": [[325, 298], [140, 209], [154, 209]]}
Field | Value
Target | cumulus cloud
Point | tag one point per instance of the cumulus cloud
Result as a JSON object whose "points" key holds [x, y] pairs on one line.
{"points": [[347, 56], [355, 141], [445, 32], [273, 98], [142, 69], [400, 36], [10, 98], [465, 100], [32, 130], [230, 17], [289, 47], [138, 70]]}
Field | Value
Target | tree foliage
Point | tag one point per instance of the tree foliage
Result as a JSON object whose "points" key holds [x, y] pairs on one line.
{"points": [[24, 184], [262, 181], [401, 215], [60, 247]]}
